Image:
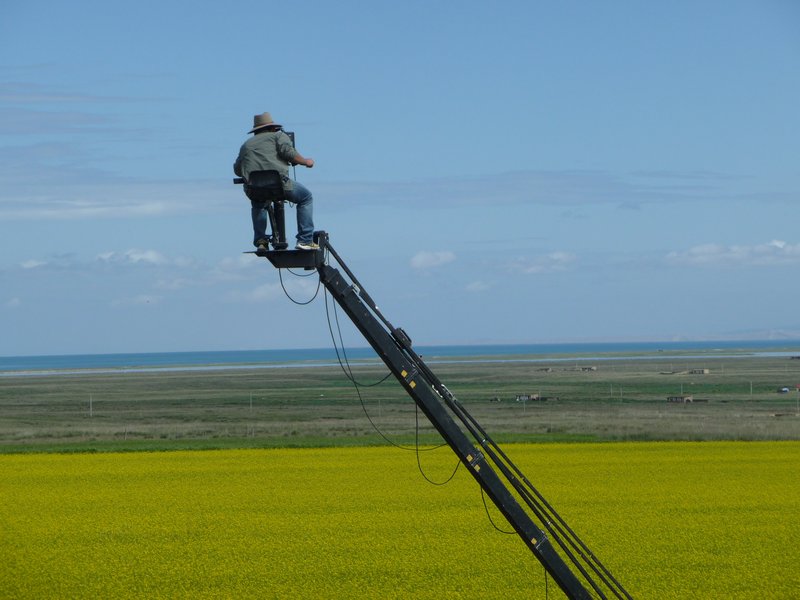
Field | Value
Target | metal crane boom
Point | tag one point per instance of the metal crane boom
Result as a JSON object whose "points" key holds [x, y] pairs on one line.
{"points": [[515, 497]]}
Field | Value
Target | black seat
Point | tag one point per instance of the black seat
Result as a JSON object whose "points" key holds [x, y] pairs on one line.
{"points": [[266, 187]]}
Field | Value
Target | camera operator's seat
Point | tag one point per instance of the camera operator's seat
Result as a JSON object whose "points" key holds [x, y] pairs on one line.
{"points": [[266, 187]]}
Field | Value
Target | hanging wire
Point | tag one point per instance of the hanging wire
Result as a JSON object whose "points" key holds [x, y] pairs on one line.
{"points": [[348, 371], [289, 296], [546, 590], [419, 464], [573, 547], [344, 364], [489, 516]]}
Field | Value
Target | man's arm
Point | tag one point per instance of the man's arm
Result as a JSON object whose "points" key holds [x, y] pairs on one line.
{"points": [[300, 160], [290, 154]]}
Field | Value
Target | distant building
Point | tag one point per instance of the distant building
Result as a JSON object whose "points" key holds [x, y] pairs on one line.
{"points": [[683, 399], [528, 398], [700, 371]]}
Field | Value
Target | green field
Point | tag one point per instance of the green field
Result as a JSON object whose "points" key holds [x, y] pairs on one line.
{"points": [[625, 399]]}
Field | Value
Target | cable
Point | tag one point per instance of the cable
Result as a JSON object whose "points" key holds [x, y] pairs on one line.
{"points": [[546, 591], [286, 292], [356, 384], [572, 546], [296, 274], [348, 372], [489, 516], [344, 364], [419, 464]]}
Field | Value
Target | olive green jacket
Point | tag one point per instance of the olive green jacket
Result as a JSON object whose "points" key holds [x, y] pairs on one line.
{"points": [[266, 151]]}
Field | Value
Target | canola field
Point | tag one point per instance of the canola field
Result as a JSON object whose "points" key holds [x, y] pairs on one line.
{"points": [[670, 520]]}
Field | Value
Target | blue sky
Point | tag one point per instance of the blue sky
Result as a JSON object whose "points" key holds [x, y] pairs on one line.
{"points": [[513, 172]]}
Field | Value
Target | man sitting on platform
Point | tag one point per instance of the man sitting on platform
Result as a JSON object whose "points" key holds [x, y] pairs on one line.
{"points": [[271, 148]]}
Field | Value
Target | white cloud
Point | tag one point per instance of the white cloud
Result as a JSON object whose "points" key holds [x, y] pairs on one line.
{"points": [[145, 256], [13, 303], [226, 272], [171, 266], [72, 193], [477, 286], [774, 253], [546, 263], [135, 256], [261, 293], [240, 263], [32, 264], [429, 260], [569, 187], [299, 289]]}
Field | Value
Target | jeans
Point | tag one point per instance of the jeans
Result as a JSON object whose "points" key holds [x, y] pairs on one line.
{"points": [[301, 196]]}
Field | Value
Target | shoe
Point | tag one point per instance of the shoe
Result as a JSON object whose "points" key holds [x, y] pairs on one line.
{"points": [[307, 246]]}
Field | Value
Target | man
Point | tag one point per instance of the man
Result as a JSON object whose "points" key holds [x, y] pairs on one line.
{"points": [[269, 149]]}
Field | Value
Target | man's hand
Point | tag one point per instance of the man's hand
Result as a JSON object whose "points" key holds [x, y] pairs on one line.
{"points": [[301, 160]]}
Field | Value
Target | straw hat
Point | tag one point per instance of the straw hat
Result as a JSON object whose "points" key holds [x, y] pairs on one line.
{"points": [[263, 120]]}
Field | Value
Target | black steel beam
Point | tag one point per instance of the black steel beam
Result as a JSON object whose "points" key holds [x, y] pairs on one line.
{"points": [[393, 346], [412, 376]]}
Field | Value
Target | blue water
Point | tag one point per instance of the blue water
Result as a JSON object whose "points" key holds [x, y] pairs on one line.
{"points": [[229, 358]]}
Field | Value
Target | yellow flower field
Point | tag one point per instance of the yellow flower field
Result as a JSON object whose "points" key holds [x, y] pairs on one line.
{"points": [[671, 520]]}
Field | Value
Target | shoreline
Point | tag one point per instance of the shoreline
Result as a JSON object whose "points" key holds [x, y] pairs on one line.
{"points": [[365, 356]]}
